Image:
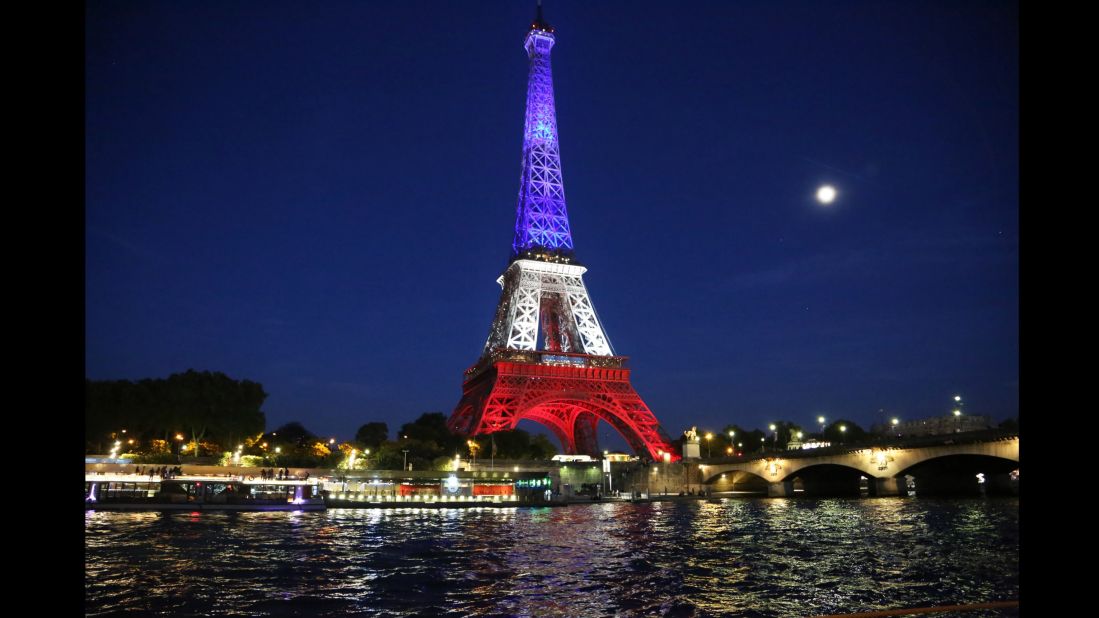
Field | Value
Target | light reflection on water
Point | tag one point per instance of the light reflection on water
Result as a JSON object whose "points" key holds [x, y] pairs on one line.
{"points": [[744, 557]]}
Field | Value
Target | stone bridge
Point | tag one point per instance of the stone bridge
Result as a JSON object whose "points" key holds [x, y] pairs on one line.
{"points": [[934, 464]]}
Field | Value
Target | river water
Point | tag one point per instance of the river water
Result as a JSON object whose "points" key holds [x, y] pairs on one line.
{"points": [[742, 557]]}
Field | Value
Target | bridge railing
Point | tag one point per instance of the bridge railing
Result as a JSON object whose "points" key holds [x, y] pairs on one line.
{"points": [[969, 437]]}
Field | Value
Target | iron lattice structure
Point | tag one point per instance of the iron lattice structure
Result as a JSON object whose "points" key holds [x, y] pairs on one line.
{"points": [[542, 221], [547, 357]]}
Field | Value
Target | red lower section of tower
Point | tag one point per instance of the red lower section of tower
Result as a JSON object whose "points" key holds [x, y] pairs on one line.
{"points": [[569, 398]]}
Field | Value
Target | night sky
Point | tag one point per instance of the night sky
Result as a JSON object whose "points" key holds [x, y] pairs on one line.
{"points": [[320, 199]]}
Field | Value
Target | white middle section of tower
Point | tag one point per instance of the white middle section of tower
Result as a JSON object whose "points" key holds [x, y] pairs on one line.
{"points": [[546, 291]]}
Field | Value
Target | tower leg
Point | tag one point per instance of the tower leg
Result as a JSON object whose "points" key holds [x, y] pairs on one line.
{"points": [[584, 433]]}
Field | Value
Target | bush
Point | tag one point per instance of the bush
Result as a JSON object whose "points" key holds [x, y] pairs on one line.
{"points": [[293, 460], [156, 458]]}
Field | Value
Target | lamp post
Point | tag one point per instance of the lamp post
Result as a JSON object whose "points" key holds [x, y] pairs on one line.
{"points": [[896, 421], [774, 430], [405, 451], [709, 436], [820, 420], [843, 430]]}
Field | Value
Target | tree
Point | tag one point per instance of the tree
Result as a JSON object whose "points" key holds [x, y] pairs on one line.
{"points": [[542, 448], [722, 441], [752, 440], [371, 435], [292, 435], [431, 427], [211, 406], [515, 444], [1011, 424], [851, 434], [787, 431]]}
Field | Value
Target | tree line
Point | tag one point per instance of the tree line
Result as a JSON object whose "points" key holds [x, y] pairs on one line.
{"points": [[207, 413], [208, 410], [423, 444]]}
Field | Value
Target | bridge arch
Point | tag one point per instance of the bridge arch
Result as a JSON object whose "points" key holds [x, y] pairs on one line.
{"points": [[736, 481], [963, 474]]}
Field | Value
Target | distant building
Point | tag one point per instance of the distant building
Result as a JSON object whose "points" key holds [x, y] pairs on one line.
{"points": [[934, 426], [573, 458]]}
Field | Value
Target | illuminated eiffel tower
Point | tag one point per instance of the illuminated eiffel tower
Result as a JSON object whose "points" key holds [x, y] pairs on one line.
{"points": [[547, 358]]}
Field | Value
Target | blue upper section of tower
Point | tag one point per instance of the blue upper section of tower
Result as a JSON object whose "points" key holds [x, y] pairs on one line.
{"points": [[542, 221]]}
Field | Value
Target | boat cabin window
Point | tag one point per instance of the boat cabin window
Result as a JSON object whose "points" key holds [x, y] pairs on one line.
{"points": [[273, 492], [116, 489]]}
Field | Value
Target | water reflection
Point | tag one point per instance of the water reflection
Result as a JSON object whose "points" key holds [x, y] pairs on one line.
{"points": [[744, 557]]}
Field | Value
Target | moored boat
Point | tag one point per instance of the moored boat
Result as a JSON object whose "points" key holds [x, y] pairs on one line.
{"points": [[131, 492]]}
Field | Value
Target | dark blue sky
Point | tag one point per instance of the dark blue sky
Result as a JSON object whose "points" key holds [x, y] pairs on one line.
{"points": [[320, 198]]}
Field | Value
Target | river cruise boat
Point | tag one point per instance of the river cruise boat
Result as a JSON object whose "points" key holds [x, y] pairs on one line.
{"points": [[132, 492]]}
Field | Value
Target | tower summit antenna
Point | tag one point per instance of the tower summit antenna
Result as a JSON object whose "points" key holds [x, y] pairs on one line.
{"points": [[539, 22]]}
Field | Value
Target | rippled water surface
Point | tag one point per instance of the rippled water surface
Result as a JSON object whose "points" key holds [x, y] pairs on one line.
{"points": [[746, 557]]}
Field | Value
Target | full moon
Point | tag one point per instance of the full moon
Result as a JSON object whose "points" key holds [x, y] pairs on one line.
{"points": [[826, 194]]}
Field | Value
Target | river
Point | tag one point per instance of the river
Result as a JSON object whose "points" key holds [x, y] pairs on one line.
{"points": [[742, 557]]}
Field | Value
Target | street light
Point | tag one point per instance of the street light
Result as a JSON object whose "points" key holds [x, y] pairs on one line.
{"points": [[709, 436], [405, 451], [843, 430], [775, 430], [820, 419]]}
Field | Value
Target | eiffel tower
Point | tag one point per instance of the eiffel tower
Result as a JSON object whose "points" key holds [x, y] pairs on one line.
{"points": [[547, 358]]}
